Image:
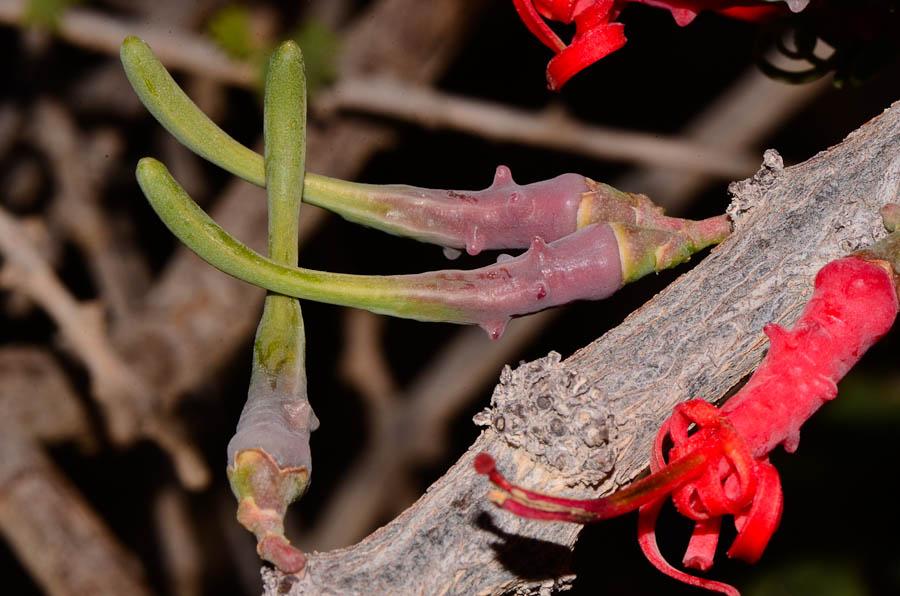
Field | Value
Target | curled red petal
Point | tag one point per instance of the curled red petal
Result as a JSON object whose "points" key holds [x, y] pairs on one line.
{"points": [[590, 47], [696, 411], [701, 549], [728, 485], [704, 436], [557, 10], [700, 412], [592, 16], [676, 426], [711, 492], [647, 539], [657, 457], [537, 26], [756, 527], [743, 467]]}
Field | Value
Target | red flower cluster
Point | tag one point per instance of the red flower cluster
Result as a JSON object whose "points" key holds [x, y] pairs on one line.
{"points": [[596, 35], [718, 462]]}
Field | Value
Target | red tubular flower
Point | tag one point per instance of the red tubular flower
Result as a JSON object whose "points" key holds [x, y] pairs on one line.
{"points": [[590, 47], [718, 462], [596, 35]]}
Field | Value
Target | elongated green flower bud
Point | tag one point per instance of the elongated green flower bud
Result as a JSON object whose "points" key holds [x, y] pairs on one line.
{"points": [[590, 264], [505, 215]]}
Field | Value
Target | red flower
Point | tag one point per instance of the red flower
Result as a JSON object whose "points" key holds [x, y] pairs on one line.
{"points": [[596, 33], [718, 461]]}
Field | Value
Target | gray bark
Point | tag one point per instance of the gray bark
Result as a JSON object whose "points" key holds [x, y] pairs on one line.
{"points": [[583, 427]]}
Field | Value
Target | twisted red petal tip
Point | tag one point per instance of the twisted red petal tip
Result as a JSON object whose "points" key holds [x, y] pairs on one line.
{"points": [[484, 464]]}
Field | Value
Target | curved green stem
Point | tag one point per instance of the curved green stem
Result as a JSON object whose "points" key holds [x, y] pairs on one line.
{"points": [[589, 264], [504, 215], [585, 265], [178, 114], [584, 260], [448, 218], [171, 106]]}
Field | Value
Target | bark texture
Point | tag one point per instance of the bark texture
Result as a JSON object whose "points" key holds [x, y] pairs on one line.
{"points": [[583, 426]]}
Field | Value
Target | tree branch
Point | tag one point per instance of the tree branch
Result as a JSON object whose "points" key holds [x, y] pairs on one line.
{"points": [[51, 527], [589, 421], [550, 128], [179, 50]]}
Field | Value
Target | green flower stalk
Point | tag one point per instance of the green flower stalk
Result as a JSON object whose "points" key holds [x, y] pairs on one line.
{"points": [[589, 264], [506, 215], [269, 460], [584, 239]]}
